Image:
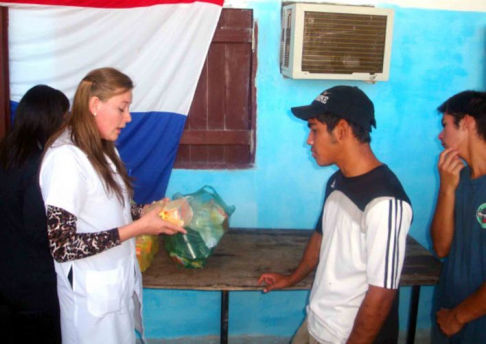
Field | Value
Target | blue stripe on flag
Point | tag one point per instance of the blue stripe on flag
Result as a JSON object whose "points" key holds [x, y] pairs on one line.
{"points": [[148, 146], [13, 108]]}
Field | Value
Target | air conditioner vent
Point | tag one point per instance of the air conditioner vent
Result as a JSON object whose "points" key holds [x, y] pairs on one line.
{"points": [[336, 42], [343, 43]]}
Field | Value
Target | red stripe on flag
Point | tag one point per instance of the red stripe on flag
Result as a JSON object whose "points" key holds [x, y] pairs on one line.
{"points": [[109, 3]]}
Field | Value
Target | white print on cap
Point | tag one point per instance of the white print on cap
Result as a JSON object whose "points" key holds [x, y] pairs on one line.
{"points": [[322, 98]]}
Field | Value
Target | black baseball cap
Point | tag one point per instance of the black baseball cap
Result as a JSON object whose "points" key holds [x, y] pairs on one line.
{"points": [[346, 102]]}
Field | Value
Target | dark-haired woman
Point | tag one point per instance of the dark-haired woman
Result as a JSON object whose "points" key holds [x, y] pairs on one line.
{"points": [[28, 296]]}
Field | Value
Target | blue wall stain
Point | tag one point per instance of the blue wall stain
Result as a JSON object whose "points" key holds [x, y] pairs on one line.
{"points": [[435, 54]]}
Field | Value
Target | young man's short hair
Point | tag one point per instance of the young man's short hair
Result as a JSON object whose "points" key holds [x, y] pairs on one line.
{"points": [[331, 120], [472, 103]]}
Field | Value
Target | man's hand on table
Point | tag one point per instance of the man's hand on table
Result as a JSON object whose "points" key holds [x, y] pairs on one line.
{"points": [[274, 281]]}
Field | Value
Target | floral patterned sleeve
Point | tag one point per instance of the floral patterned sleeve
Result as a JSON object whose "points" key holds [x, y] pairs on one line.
{"points": [[136, 210], [65, 244]]}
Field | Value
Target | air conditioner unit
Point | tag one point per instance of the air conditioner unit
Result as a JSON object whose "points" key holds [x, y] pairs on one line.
{"points": [[336, 42]]}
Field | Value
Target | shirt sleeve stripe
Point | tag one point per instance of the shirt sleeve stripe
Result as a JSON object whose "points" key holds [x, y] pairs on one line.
{"points": [[399, 223], [393, 254], [388, 242], [395, 242]]}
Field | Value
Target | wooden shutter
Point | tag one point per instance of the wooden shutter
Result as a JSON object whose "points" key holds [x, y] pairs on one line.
{"points": [[220, 129]]}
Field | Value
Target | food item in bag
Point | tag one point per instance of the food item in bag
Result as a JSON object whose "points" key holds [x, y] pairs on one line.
{"points": [[146, 247], [210, 230], [210, 219], [178, 212], [187, 250]]}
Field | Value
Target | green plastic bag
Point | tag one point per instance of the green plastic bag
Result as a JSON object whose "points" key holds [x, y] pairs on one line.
{"points": [[209, 223]]}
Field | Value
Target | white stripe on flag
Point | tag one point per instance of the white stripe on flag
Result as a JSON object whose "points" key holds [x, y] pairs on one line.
{"points": [[162, 48]]}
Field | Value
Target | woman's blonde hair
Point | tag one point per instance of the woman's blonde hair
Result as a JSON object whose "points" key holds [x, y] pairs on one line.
{"points": [[103, 83]]}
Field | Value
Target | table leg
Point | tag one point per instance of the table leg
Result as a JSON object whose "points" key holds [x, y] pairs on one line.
{"points": [[224, 316], [412, 315]]}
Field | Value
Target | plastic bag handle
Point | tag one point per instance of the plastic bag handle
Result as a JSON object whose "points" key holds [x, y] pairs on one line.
{"points": [[229, 209], [212, 190]]}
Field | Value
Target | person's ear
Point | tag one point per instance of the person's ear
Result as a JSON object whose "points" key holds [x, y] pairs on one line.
{"points": [[94, 103], [469, 123], [342, 129]]}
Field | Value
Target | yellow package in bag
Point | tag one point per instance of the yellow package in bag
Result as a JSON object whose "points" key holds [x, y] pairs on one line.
{"points": [[146, 247]]}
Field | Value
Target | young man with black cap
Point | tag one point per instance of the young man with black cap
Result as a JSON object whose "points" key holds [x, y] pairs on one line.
{"points": [[359, 242]]}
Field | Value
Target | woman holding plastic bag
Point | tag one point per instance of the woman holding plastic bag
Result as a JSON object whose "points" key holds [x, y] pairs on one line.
{"points": [[87, 191]]}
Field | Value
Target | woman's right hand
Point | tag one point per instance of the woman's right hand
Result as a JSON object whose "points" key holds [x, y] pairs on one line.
{"points": [[153, 224], [149, 224]]}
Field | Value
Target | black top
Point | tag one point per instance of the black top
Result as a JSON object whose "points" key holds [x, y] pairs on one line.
{"points": [[379, 182], [25, 261]]}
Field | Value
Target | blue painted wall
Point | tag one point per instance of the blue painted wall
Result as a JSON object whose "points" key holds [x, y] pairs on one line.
{"points": [[435, 55]]}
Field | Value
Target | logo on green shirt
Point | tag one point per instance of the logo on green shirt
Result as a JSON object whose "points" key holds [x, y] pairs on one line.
{"points": [[481, 215]]}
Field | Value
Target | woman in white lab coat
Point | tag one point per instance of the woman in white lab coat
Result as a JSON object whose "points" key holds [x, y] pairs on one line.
{"points": [[87, 192]]}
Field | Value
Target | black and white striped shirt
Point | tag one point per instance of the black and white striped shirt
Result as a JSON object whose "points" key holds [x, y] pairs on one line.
{"points": [[364, 223]]}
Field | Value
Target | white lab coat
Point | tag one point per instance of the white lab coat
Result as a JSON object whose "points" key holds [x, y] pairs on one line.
{"points": [[103, 305]]}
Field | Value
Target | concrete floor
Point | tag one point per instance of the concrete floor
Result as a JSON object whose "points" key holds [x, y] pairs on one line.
{"points": [[422, 337], [231, 340]]}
